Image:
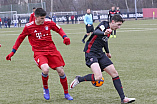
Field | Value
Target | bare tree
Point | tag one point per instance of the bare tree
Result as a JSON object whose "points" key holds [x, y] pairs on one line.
{"points": [[127, 5]]}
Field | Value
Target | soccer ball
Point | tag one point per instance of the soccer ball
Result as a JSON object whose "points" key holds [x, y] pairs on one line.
{"points": [[98, 83]]}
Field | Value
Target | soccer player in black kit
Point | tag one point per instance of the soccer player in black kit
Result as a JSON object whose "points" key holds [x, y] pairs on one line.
{"points": [[111, 13], [98, 60]]}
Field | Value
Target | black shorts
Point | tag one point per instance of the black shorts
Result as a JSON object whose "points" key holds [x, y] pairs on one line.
{"points": [[102, 59], [89, 28]]}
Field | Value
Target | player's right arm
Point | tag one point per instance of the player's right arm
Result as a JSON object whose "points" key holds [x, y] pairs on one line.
{"points": [[31, 18], [18, 42], [85, 18]]}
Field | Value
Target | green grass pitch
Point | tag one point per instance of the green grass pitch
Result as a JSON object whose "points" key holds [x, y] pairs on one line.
{"points": [[133, 54]]}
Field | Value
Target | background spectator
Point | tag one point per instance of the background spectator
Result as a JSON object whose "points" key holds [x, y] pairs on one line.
{"points": [[67, 17], [72, 19], [54, 17], [5, 22], [9, 21], [19, 21], [0, 22], [76, 19]]}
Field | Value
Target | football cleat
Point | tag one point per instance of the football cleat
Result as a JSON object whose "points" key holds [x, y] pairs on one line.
{"points": [[68, 97], [111, 36], [46, 94], [74, 82], [128, 100], [83, 41], [115, 36]]}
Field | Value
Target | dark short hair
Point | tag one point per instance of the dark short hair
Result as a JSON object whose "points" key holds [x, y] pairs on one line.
{"points": [[34, 8], [117, 18], [40, 12]]}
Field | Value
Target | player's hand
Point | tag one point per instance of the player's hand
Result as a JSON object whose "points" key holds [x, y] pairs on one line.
{"points": [[108, 55], [66, 41], [89, 25], [108, 31], [9, 56]]}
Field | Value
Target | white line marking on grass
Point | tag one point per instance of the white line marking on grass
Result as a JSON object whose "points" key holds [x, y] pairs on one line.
{"points": [[138, 29], [8, 34], [10, 31]]}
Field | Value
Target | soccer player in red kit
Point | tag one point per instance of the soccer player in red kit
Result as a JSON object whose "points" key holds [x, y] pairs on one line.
{"points": [[45, 53], [32, 17]]}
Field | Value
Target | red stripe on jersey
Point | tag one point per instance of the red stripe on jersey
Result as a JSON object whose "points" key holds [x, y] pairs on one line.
{"points": [[91, 43]]}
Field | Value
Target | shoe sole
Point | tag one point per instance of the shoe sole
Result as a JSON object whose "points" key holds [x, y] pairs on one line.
{"points": [[129, 102]]}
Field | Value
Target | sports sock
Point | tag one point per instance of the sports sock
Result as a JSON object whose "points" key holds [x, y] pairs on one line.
{"points": [[63, 81], [85, 36], [89, 77], [45, 80], [118, 86], [114, 32]]}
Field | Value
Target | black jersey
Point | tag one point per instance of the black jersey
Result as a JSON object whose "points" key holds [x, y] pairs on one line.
{"points": [[111, 13], [98, 40], [118, 12]]}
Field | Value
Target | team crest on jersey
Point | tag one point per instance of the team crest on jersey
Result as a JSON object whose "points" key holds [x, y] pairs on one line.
{"points": [[46, 28]]}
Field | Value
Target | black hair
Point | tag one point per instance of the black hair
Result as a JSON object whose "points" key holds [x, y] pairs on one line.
{"points": [[40, 12], [117, 18], [34, 8]]}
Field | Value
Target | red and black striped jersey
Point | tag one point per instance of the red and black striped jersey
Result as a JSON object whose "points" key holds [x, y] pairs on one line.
{"points": [[97, 41]]}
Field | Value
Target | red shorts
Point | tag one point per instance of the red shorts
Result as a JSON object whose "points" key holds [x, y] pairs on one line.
{"points": [[53, 59]]}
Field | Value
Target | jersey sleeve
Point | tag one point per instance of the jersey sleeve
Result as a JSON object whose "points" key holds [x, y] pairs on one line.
{"points": [[100, 29], [57, 29], [31, 17], [20, 38]]}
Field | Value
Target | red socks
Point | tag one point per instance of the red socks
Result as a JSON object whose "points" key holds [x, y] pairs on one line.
{"points": [[45, 80], [64, 83]]}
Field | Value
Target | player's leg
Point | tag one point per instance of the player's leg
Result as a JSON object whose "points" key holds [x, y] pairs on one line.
{"points": [[87, 34], [63, 81], [114, 33], [111, 36], [56, 62], [42, 61], [97, 75], [45, 71], [117, 83]]}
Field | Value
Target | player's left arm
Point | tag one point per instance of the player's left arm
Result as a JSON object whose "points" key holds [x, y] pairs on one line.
{"points": [[60, 31], [101, 30], [107, 50]]}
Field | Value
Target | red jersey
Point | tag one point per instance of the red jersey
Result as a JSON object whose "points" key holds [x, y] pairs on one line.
{"points": [[32, 17], [39, 36]]}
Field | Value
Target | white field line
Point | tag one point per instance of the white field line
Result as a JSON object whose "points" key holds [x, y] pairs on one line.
{"points": [[141, 25], [9, 31], [136, 29]]}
